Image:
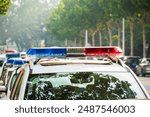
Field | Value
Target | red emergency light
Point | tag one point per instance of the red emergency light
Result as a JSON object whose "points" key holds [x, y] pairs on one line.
{"points": [[103, 51], [10, 51]]}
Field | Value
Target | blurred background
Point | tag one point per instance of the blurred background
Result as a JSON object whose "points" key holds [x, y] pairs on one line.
{"points": [[29, 23]]}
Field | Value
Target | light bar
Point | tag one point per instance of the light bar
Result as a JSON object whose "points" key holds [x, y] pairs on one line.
{"points": [[16, 61], [10, 51], [103, 51], [47, 52], [75, 52], [13, 55]]}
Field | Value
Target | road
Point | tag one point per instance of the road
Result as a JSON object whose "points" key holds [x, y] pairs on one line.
{"points": [[146, 82]]}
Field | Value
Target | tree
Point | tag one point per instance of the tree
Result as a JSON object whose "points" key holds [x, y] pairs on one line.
{"points": [[72, 17], [25, 22], [69, 22], [65, 20], [143, 13], [4, 6]]}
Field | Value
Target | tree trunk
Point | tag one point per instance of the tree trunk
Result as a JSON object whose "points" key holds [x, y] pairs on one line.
{"points": [[109, 27], [80, 42], [86, 38], [131, 36], [148, 51], [66, 42], [18, 46], [119, 32], [100, 38], [93, 39], [119, 35], [75, 42], [144, 37]]}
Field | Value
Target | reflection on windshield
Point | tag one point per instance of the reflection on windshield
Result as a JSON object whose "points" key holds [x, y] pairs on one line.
{"points": [[77, 86]]}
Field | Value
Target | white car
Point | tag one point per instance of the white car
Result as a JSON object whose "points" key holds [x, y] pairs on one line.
{"points": [[8, 67], [2, 60], [5, 58], [66, 79], [144, 67]]}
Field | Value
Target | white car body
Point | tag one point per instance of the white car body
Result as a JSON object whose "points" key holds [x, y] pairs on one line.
{"points": [[122, 72]]}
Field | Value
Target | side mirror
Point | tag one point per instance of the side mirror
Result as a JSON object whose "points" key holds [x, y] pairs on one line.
{"points": [[1, 83], [136, 66], [3, 89]]}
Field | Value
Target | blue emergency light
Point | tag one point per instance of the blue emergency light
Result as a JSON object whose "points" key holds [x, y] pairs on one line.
{"points": [[47, 52], [16, 61], [13, 55]]}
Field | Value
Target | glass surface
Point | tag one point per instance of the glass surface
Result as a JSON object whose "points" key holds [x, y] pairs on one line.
{"points": [[1, 63], [82, 86]]}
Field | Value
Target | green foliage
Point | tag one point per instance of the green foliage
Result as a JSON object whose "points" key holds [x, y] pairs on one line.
{"points": [[72, 17], [25, 23], [96, 87], [4, 6], [68, 21]]}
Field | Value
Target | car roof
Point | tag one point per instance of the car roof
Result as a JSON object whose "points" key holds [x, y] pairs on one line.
{"points": [[38, 69], [132, 57], [145, 59]]}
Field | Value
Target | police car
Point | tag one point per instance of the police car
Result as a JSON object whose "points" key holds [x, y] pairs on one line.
{"points": [[10, 51], [143, 68], [9, 70], [2, 60], [7, 57], [4, 57], [10, 64], [75, 79]]}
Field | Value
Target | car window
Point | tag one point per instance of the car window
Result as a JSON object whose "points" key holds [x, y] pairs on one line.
{"points": [[9, 75], [3, 76], [13, 81], [148, 61], [16, 87], [1, 63], [82, 86], [133, 62]]}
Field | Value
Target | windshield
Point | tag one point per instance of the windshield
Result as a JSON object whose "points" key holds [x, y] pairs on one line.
{"points": [[132, 62], [148, 61], [82, 86]]}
